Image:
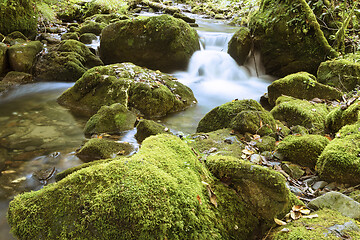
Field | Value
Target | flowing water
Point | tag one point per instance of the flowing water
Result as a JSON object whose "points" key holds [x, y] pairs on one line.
{"points": [[41, 135]]}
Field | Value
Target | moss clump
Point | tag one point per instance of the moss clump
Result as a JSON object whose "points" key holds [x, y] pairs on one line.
{"points": [[70, 35], [18, 16], [340, 117], [92, 27], [240, 45], [98, 148], [111, 119], [161, 42], [221, 116], [301, 85], [322, 227], [3, 58], [87, 38], [301, 112], [153, 93], [147, 128], [265, 143], [22, 56], [289, 37], [342, 74], [255, 122], [340, 160], [302, 150]]}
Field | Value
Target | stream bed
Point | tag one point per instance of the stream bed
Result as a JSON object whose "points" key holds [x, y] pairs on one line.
{"points": [[43, 136]]}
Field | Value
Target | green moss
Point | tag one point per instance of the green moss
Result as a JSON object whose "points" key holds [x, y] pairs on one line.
{"points": [[339, 117], [240, 45], [265, 143], [289, 25], [342, 74], [340, 159], [301, 112], [301, 85], [92, 27], [70, 35], [22, 56], [302, 150], [87, 38], [111, 119], [18, 16], [221, 116], [160, 42], [316, 228], [147, 128], [3, 58]]}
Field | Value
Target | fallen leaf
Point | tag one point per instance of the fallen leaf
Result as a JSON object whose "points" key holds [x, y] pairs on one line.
{"points": [[256, 137], [212, 195], [305, 211], [286, 230], [199, 199], [247, 152], [311, 216], [279, 222]]}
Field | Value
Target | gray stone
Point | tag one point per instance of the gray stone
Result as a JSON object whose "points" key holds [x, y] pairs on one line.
{"points": [[319, 185], [338, 202], [341, 229]]}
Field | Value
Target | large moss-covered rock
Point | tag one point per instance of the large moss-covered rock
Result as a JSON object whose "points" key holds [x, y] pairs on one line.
{"points": [[23, 56], [98, 148], [111, 119], [342, 73], [302, 150], [92, 27], [3, 58], [288, 37], [18, 15], [161, 42], [240, 45], [340, 160], [66, 62], [153, 93], [342, 116], [301, 85], [147, 128], [301, 112], [221, 116]]}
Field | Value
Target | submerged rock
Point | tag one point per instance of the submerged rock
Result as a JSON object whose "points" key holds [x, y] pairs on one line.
{"points": [[301, 85], [66, 62], [153, 93], [302, 150], [339, 162], [110, 119], [22, 56], [160, 42], [240, 45], [161, 192], [289, 38], [147, 128]]}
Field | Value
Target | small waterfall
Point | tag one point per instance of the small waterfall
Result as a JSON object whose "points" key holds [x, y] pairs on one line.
{"points": [[214, 40]]}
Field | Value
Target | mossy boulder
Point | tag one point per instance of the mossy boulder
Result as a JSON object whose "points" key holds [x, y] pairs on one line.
{"points": [[328, 225], [87, 38], [99, 148], [240, 45], [341, 73], [301, 85], [342, 116], [153, 93], [265, 143], [160, 43], [70, 35], [22, 56], [255, 122], [340, 160], [221, 116], [261, 188], [111, 119], [66, 62], [18, 16], [3, 58], [289, 38], [302, 150], [17, 78], [73, 12], [146, 128], [301, 112], [92, 27], [162, 192], [107, 18]]}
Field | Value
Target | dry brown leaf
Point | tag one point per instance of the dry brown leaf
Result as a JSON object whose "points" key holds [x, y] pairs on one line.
{"points": [[305, 211], [285, 230], [256, 137], [247, 152], [199, 199], [212, 195], [279, 222]]}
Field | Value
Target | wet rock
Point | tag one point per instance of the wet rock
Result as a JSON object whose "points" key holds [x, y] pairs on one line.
{"points": [[48, 38], [319, 185], [342, 116], [106, 18], [343, 74], [338, 202], [110, 119], [221, 116], [301, 112], [22, 56], [15, 37], [98, 148], [87, 38], [184, 17], [16, 78], [153, 93], [302, 150], [161, 42], [147, 128], [339, 161], [293, 170], [301, 85], [240, 45], [70, 35], [3, 58], [66, 62], [292, 27], [92, 27]]}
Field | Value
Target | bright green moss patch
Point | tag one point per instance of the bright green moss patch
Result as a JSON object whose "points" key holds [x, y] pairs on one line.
{"points": [[240, 45], [340, 160], [147, 128], [302, 150], [322, 227], [340, 117]]}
